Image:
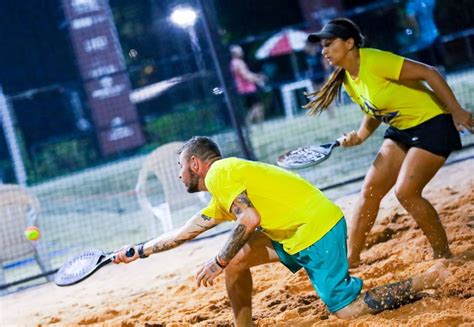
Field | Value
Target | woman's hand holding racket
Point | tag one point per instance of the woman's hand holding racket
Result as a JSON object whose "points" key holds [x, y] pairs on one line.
{"points": [[350, 139], [308, 156]]}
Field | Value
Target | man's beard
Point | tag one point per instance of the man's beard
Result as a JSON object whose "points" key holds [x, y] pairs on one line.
{"points": [[193, 183]]}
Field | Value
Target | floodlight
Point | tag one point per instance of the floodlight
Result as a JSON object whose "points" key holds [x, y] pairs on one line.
{"points": [[184, 17]]}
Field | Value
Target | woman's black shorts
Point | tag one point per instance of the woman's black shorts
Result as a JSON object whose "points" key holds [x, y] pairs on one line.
{"points": [[437, 135]]}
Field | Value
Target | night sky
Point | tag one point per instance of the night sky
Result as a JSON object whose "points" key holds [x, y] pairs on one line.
{"points": [[36, 51]]}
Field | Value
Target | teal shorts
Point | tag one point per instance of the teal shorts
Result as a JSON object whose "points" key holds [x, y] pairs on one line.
{"points": [[327, 267]]}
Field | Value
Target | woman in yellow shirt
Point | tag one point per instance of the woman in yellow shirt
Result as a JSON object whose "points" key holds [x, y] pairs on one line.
{"points": [[423, 123]]}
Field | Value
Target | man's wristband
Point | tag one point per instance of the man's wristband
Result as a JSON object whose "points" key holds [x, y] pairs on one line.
{"points": [[141, 252], [217, 259]]}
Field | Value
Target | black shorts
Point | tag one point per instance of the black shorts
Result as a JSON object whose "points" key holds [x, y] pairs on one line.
{"points": [[251, 99], [437, 135]]}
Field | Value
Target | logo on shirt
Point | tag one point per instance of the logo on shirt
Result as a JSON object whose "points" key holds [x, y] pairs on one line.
{"points": [[369, 108]]}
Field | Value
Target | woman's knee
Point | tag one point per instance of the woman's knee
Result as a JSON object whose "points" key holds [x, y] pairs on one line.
{"points": [[406, 195], [371, 191], [376, 183]]}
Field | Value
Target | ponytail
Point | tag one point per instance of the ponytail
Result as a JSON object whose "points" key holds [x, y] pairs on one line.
{"points": [[321, 99]]}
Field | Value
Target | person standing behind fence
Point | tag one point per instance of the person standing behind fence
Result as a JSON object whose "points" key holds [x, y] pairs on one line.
{"points": [[422, 127], [419, 16], [247, 83]]}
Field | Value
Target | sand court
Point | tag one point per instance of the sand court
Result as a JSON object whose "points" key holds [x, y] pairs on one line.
{"points": [[161, 290]]}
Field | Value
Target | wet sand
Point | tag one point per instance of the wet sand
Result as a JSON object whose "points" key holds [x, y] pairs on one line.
{"points": [[161, 290]]}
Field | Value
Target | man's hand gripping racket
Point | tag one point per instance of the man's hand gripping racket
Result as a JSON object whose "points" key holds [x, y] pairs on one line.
{"points": [[307, 156], [84, 265]]}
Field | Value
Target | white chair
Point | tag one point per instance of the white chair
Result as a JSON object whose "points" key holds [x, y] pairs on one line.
{"points": [[288, 95], [163, 163], [19, 209]]}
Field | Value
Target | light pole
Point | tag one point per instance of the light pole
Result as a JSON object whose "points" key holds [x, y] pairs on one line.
{"points": [[186, 17]]}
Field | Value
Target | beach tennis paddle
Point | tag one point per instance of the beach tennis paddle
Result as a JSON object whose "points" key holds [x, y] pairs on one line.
{"points": [[84, 265], [306, 156]]}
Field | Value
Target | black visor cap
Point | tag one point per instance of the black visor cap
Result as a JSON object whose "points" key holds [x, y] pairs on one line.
{"points": [[330, 31]]}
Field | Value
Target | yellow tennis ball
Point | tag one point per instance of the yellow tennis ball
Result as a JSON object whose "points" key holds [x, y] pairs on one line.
{"points": [[32, 233]]}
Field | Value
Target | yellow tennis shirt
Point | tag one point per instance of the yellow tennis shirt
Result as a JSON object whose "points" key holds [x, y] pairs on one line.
{"points": [[292, 211], [380, 95]]}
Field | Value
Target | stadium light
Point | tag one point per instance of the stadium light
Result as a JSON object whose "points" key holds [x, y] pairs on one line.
{"points": [[184, 17]]}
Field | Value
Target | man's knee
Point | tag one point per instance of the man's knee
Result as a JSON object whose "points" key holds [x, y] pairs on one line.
{"points": [[235, 266], [240, 262]]}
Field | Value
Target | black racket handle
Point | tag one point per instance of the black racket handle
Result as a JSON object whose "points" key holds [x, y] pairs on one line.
{"points": [[130, 252]]}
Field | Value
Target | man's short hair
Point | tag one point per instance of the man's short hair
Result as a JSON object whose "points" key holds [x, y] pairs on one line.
{"points": [[202, 147]]}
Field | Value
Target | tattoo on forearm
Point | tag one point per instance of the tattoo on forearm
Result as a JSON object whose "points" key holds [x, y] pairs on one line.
{"points": [[163, 246], [196, 226], [206, 218], [169, 244], [237, 240]]}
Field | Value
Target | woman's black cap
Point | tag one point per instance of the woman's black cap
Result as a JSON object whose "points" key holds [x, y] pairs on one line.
{"points": [[329, 31]]}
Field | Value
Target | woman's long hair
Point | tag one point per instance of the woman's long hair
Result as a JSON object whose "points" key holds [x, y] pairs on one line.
{"points": [[321, 99]]}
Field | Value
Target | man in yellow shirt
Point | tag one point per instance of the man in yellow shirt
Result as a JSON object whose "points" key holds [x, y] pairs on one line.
{"points": [[279, 217]]}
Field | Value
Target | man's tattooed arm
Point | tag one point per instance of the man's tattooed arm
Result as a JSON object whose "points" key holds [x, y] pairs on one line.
{"points": [[198, 224], [248, 219]]}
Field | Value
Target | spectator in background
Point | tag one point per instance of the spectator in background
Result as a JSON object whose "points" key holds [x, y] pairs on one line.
{"points": [[247, 84], [419, 17]]}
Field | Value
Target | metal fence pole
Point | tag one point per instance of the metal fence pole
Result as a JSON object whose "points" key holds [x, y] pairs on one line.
{"points": [[225, 88], [12, 142]]}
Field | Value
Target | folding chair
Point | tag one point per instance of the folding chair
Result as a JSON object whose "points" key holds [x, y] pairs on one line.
{"points": [[19, 209], [163, 163]]}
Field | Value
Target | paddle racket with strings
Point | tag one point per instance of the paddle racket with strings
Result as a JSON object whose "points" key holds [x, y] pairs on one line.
{"points": [[84, 265], [307, 156]]}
